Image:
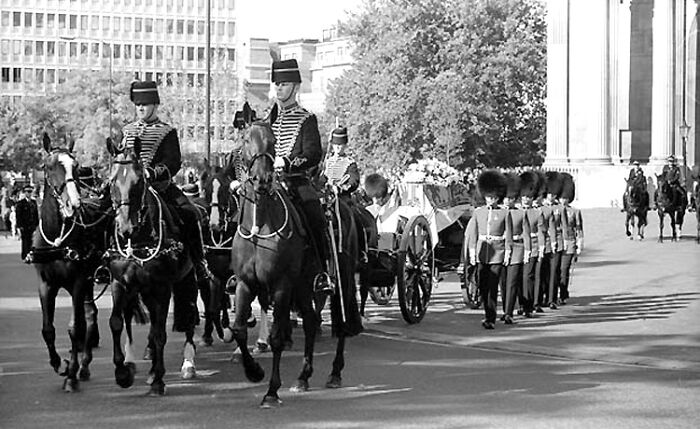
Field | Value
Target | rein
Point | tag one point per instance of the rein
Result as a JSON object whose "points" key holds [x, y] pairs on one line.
{"points": [[255, 229], [128, 252]]}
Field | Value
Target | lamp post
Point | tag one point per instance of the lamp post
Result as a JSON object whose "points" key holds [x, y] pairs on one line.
{"points": [[684, 129], [109, 98], [207, 137]]}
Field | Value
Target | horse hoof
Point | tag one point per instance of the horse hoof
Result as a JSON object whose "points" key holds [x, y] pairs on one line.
{"points": [[188, 370], [55, 363], [260, 348], [631, 237], [124, 375], [84, 373], [228, 335], [150, 379], [334, 382], [206, 341], [157, 389], [255, 373], [629, 234], [70, 385], [148, 353], [63, 370], [270, 402], [301, 386]]}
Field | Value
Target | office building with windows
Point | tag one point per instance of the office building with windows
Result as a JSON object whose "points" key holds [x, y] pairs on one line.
{"points": [[41, 41]]}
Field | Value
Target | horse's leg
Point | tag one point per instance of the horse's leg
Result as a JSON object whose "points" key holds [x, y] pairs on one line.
{"points": [[47, 296], [280, 330], [672, 215], [253, 370], [206, 294], [311, 319], [157, 305], [92, 335], [334, 379], [263, 342], [661, 225], [76, 332], [627, 225], [123, 373], [188, 369]]}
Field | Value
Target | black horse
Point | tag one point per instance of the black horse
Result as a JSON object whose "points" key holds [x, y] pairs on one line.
{"points": [[67, 250], [147, 262], [636, 207], [271, 261], [669, 200]]}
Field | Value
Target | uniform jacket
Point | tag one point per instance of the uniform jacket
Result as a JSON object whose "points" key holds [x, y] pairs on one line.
{"points": [[637, 176], [532, 215], [572, 230], [546, 234], [336, 168], [298, 139], [557, 226], [160, 149], [489, 235], [27, 214], [672, 173], [522, 245]]}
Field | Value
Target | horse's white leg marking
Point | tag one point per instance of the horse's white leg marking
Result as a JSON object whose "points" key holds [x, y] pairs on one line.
{"points": [[129, 352]]}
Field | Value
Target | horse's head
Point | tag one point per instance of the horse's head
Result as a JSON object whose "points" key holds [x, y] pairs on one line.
{"points": [[127, 186], [60, 175], [258, 149]]}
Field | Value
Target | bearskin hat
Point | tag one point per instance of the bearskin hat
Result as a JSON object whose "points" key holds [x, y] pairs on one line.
{"points": [[530, 184], [513, 185], [553, 183], [376, 186], [568, 187], [492, 182]]}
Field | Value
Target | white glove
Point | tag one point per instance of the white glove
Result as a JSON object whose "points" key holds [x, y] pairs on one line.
{"points": [[506, 258], [279, 163], [235, 184], [526, 256], [541, 252]]}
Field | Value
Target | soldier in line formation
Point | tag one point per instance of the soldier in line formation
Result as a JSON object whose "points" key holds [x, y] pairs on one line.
{"points": [[528, 247]]}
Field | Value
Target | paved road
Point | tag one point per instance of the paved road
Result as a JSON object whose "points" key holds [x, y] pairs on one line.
{"points": [[625, 352]]}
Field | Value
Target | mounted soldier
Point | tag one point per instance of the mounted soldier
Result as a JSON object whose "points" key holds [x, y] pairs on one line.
{"points": [[160, 154], [340, 169], [673, 175], [298, 153]]}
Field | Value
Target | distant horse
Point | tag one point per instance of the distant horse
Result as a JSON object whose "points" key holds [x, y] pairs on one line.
{"points": [[669, 200], [636, 206], [147, 262], [67, 250], [271, 262]]}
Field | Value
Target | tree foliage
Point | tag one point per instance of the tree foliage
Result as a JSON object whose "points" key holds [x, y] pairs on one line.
{"points": [[462, 80]]}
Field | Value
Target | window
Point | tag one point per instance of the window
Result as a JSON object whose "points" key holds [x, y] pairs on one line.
{"points": [[138, 52], [50, 49], [17, 75], [190, 79], [180, 53], [220, 28], [127, 24], [116, 50], [39, 49], [51, 20], [138, 22], [83, 49], [169, 26], [149, 53], [190, 26], [95, 50], [149, 25], [149, 76], [73, 22], [106, 50], [95, 21], [159, 53], [39, 20], [180, 26], [61, 49], [105, 23], [159, 26], [5, 20], [231, 4], [201, 28], [73, 50], [28, 45], [17, 19], [84, 22], [231, 54], [28, 75], [117, 24], [5, 48], [231, 29], [40, 75], [200, 54], [127, 52], [190, 53], [62, 73], [5, 74]]}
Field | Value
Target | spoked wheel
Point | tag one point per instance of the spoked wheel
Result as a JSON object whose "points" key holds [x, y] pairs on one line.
{"points": [[416, 264], [382, 295], [470, 290]]}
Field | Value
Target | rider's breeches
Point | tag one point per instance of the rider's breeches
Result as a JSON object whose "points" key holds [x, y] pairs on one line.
{"points": [[191, 231], [488, 276], [317, 226], [514, 286], [554, 277], [566, 260], [529, 278]]}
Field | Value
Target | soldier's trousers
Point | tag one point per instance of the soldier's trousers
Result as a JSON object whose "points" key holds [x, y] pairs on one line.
{"points": [[514, 286], [542, 279], [554, 277], [488, 276], [26, 242], [566, 261], [530, 279]]}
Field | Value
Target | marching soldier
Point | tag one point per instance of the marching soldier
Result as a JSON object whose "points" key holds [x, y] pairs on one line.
{"points": [[521, 247], [160, 154], [298, 153], [530, 185], [489, 239], [572, 231], [549, 246]]}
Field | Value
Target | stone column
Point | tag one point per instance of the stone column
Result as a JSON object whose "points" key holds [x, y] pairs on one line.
{"points": [[662, 109], [557, 82], [589, 65], [621, 147]]}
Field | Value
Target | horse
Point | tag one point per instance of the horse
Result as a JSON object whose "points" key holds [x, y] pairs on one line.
{"points": [[669, 200], [66, 252], [636, 206], [271, 261], [147, 262]]}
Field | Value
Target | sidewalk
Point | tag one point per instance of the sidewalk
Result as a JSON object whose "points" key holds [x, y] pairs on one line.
{"points": [[633, 303], [9, 244]]}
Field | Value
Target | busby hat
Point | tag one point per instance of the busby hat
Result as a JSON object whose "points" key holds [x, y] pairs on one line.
{"points": [[513, 185], [492, 183], [144, 93], [376, 186], [530, 184], [568, 187], [671, 158], [244, 116], [553, 183], [339, 136], [635, 163], [286, 71]]}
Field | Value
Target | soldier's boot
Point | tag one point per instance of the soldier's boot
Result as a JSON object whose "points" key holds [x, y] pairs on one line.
{"points": [[196, 248], [323, 282]]}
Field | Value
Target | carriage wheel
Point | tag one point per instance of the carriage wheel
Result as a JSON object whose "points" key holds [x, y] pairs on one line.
{"points": [[416, 264], [382, 295]]}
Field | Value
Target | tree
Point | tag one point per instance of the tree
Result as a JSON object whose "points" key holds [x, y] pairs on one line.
{"points": [[462, 80]]}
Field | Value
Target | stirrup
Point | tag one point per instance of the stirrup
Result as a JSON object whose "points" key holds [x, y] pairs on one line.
{"points": [[323, 284]]}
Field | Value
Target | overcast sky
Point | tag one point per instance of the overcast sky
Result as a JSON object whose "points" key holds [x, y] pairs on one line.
{"points": [[282, 20]]}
